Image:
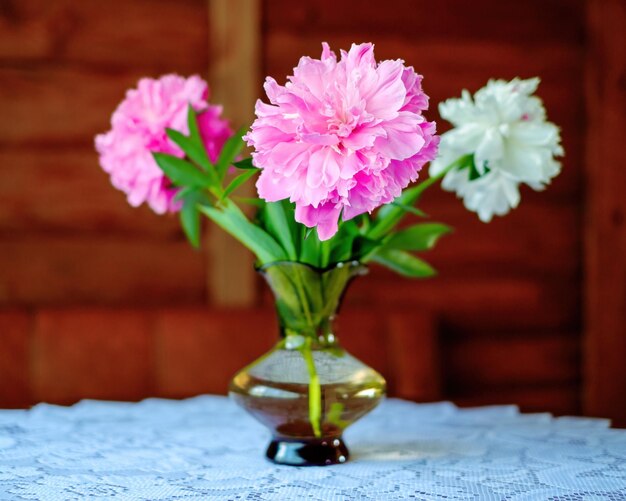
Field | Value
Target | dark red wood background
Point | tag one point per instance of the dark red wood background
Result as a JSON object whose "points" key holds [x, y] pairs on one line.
{"points": [[101, 300]]}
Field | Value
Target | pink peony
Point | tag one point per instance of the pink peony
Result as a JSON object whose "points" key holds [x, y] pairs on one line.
{"points": [[341, 137], [138, 129]]}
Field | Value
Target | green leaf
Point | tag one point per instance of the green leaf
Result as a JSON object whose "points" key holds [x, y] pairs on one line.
{"points": [[181, 172], [310, 246], [473, 169], [341, 249], [256, 202], [230, 218], [411, 210], [195, 138], [389, 215], [194, 151], [280, 223], [350, 227], [246, 163], [192, 124], [342, 242], [403, 263], [417, 238], [183, 192], [237, 182], [229, 152], [473, 172], [324, 253], [364, 223], [363, 247], [190, 220]]}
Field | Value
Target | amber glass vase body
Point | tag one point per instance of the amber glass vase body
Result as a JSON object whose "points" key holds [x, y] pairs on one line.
{"points": [[307, 389]]}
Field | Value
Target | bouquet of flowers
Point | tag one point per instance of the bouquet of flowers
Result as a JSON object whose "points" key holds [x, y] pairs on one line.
{"points": [[337, 158]]}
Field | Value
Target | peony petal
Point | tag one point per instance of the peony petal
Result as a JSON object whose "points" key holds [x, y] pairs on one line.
{"points": [[327, 53], [323, 168], [272, 188], [403, 138], [535, 133], [386, 95], [325, 217], [490, 149], [458, 111], [288, 157], [361, 55], [524, 164]]}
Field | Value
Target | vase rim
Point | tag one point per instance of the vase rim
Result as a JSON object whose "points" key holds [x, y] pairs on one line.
{"points": [[354, 264]]}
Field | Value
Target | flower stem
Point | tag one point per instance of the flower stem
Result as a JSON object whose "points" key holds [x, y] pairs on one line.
{"points": [[427, 183], [315, 389], [389, 216], [304, 300]]}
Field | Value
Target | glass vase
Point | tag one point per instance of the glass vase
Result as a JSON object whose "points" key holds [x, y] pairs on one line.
{"points": [[307, 389]]}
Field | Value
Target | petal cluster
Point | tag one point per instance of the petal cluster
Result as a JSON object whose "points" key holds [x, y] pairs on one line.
{"points": [[341, 137], [504, 125], [138, 128]]}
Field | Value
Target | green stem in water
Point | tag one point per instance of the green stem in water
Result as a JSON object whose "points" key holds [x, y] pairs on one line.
{"points": [[315, 389], [304, 300]]}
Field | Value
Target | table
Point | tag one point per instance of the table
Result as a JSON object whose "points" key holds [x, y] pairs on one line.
{"points": [[206, 448]]}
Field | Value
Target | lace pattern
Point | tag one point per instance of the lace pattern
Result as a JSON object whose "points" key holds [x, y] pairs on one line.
{"points": [[206, 448]]}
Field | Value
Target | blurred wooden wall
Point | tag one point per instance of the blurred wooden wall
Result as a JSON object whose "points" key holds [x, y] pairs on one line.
{"points": [[101, 300], [69, 242]]}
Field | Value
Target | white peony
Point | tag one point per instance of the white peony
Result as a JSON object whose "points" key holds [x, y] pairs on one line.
{"points": [[504, 126]]}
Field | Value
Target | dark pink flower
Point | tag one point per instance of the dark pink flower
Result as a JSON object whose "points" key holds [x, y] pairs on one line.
{"points": [[138, 129]]}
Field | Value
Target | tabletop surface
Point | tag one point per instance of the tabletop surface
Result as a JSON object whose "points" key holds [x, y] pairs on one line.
{"points": [[207, 448]]}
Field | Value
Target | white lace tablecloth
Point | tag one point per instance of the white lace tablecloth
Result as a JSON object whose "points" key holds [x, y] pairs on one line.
{"points": [[206, 448]]}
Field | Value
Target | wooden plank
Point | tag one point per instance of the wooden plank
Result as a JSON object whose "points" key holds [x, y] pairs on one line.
{"points": [[538, 239], [364, 333], [94, 353], [59, 190], [401, 344], [199, 351], [59, 106], [556, 399], [15, 348], [63, 270], [605, 263], [470, 305], [482, 363], [414, 356], [530, 22], [109, 35], [234, 77]]}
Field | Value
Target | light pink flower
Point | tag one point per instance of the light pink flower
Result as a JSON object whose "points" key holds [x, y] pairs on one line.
{"points": [[341, 137], [138, 129]]}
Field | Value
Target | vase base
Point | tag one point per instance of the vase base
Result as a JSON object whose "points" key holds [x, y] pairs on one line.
{"points": [[308, 452]]}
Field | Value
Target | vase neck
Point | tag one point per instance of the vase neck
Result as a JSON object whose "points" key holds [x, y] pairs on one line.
{"points": [[307, 298]]}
